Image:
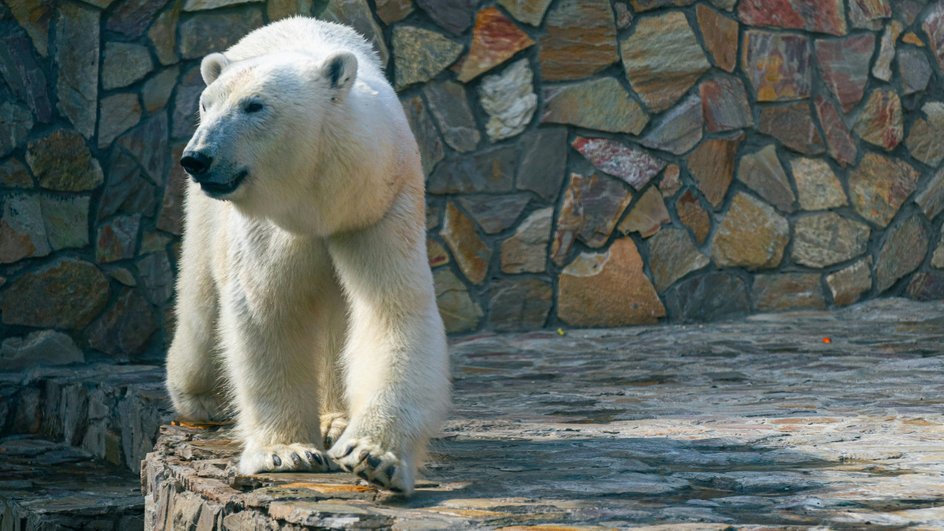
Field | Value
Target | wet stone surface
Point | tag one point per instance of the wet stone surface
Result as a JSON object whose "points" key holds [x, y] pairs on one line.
{"points": [[758, 422]]}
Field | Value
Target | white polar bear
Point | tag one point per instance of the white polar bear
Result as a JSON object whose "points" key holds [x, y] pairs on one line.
{"points": [[305, 302]]}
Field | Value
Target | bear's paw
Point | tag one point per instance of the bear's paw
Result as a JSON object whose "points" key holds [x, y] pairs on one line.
{"points": [[374, 464], [297, 457], [203, 407]]}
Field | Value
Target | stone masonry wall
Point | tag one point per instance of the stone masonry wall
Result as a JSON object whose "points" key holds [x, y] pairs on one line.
{"points": [[590, 163]]}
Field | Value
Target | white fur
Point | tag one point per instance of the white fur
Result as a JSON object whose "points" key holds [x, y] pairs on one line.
{"points": [[305, 301]]}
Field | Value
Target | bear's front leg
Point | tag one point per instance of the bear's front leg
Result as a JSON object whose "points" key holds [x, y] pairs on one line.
{"points": [[272, 368], [396, 362]]}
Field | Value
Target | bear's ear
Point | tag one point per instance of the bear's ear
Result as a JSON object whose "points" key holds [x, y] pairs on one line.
{"points": [[211, 67], [340, 70]]}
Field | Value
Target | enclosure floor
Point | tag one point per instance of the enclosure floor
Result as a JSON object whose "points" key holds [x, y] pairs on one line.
{"points": [[762, 422]]}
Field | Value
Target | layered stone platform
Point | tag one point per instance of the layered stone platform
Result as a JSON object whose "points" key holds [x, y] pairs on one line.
{"points": [[111, 412], [814, 418], [71, 444], [51, 486]]}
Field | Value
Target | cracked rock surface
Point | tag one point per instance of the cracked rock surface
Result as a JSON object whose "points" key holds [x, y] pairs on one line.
{"points": [[762, 422]]}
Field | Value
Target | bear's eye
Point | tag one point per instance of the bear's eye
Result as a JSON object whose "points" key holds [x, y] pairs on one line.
{"points": [[253, 106]]}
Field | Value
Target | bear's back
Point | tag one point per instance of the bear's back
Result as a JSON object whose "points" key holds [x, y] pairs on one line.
{"points": [[311, 36]]}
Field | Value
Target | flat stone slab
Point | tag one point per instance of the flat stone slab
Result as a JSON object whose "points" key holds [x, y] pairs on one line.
{"points": [[793, 419], [112, 412], [47, 485]]}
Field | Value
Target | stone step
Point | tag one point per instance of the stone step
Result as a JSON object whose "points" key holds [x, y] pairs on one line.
{"points": [[47, 485], [110, 411], [72, 442]]}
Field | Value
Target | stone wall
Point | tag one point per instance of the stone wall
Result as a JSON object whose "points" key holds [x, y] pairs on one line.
{"points": [[590, 163]]}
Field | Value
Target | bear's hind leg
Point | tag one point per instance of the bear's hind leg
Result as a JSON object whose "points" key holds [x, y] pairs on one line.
{"points": [[334, 417], [332, 426], [194, 369]]}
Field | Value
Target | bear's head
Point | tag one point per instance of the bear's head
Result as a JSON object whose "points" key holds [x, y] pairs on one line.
{"points": [[261, 120]]}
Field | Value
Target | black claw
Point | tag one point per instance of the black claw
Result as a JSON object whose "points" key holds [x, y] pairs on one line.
{"points": [[344, 467], [390, 471], [314, 458], [329, 442], [296, 459], [377, 482], [362, 474], [276, 460], [363, 455], [396, 489], [347, 451], [373, 462]]}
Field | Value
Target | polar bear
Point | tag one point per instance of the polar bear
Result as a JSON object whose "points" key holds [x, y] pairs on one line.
{"points": [[305, 303]]}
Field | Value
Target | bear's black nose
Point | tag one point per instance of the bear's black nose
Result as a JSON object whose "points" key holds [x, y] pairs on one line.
{"points": [[195, 162]]}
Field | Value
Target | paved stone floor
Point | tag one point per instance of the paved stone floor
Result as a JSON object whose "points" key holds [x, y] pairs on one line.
{"points": [[755, 423]]}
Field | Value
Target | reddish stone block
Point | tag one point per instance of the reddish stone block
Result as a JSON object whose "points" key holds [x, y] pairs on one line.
{"points": [[495, 39], [839, 141], [720, 34], [647, 215], [608, 289], [470, 251], [662, 59], [724, 104], [880, 121], [821, 16], [712, 166], [879, 185], [777, 65], [633, 165], [580, 40], [934, 28], [793, 126], [693, 215], [591, 207], [868, 14], [844, 64]]}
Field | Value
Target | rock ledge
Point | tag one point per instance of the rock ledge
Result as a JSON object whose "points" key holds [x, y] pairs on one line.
{"points": [[754, 423]]}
